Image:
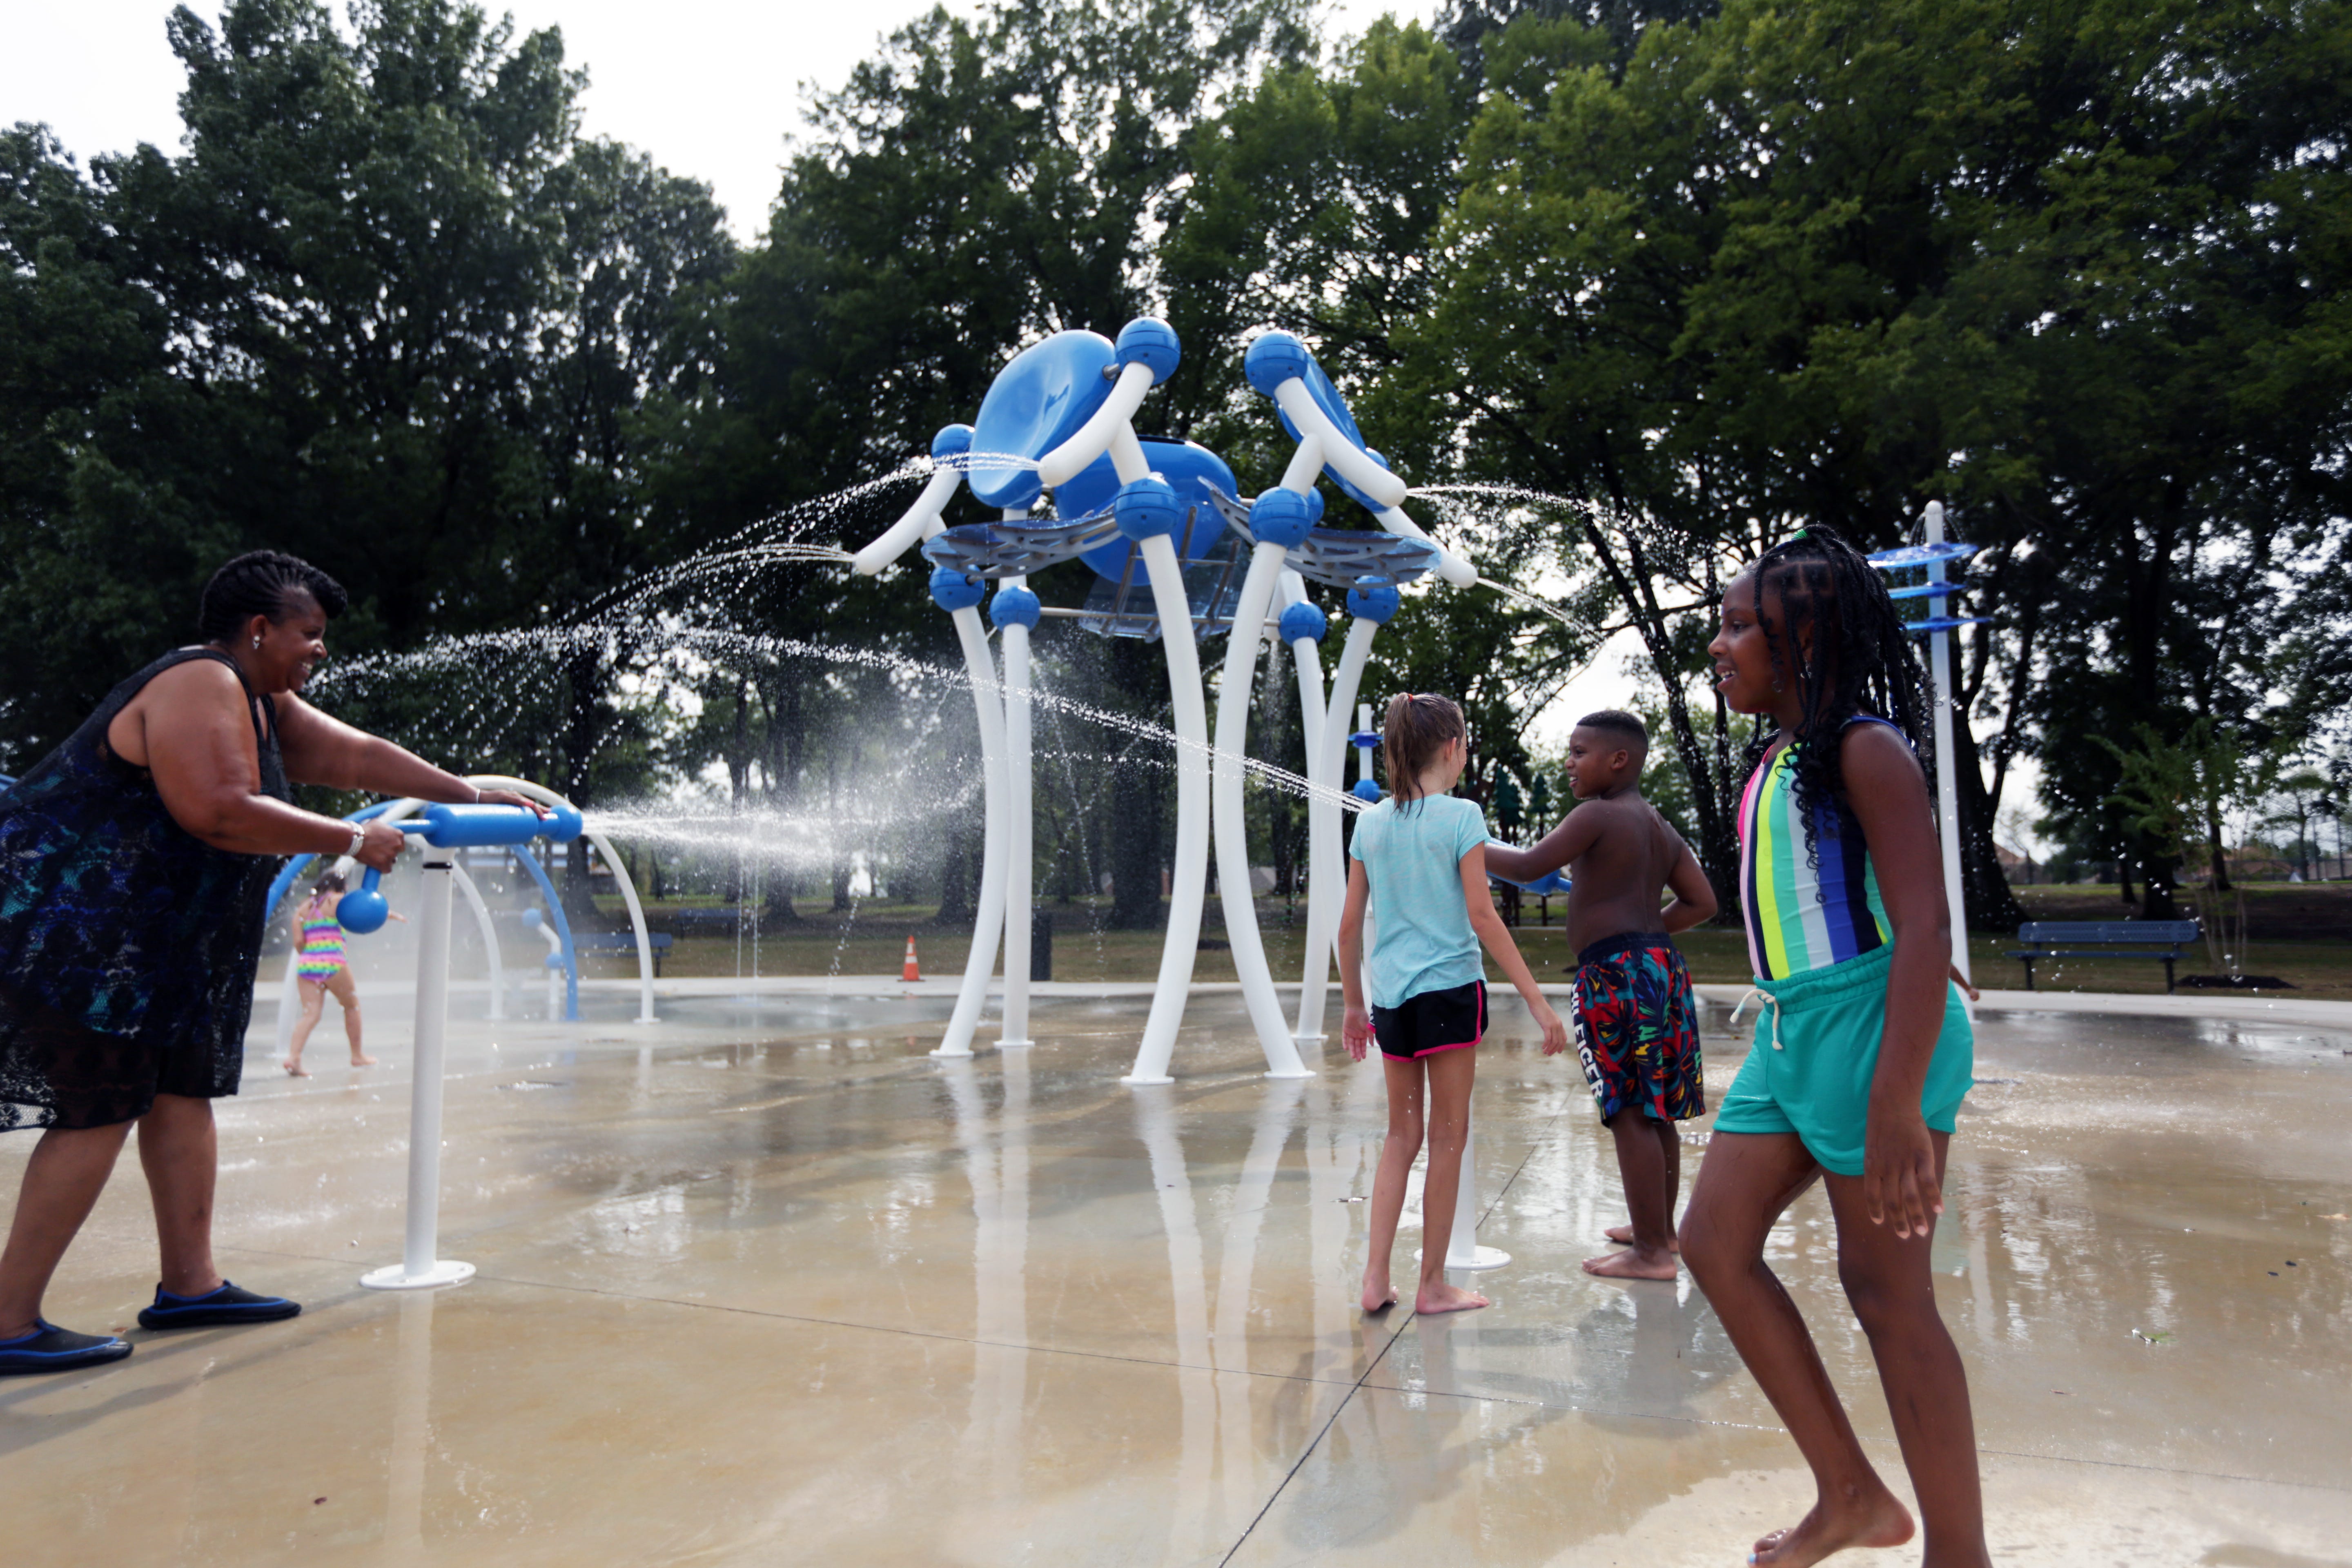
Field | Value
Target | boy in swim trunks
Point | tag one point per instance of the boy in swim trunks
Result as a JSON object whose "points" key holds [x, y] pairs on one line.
{"points": [[1636, 1023]]}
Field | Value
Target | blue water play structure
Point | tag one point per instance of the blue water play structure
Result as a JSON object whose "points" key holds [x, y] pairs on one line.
{"points": [[1179, 555]]}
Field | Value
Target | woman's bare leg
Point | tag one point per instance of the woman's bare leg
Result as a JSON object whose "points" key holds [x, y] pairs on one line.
{"points": [[1397, 1153], [348, 995], [181, 1153], [1891, 1284], [1450, 1075], [1745, 1183], [314, 1002], [62, 1180]]}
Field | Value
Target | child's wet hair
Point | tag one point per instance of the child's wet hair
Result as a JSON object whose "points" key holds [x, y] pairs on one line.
{"points": [[1418, 728], [1627, 726], [1859, 658]]}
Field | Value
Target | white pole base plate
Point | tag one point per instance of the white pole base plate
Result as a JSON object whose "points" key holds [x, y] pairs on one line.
{"points": [[396, 1277], [1146, 1080], [1303, 1041], [944, 1052], [1481, 1258], [1302, 1072], [1014, 1045]]}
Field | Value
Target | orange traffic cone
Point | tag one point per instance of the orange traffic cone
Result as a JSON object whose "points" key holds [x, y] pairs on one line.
{"points": [[910, 969]]}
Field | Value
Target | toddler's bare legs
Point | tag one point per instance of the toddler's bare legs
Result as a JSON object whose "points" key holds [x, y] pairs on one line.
{"points": [[1397, 1154], [1671, 1142], [1642, 1165], [314, 1002], [1450, 1075], [347, 994]]}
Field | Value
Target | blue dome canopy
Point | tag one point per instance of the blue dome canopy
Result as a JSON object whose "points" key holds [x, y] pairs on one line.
{"points": [[1187, 468], [1035, 404]]}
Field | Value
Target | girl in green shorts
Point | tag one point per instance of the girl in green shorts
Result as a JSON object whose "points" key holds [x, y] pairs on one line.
{"points": [[1862, 1051]]}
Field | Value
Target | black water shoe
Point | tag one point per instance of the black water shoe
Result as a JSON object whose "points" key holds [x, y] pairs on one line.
{"points": [[49, 1348], [226, 1305]]}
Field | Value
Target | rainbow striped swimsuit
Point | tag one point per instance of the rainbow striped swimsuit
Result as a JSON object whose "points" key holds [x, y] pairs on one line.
{"points": [[1800, 916], [322, 945]]}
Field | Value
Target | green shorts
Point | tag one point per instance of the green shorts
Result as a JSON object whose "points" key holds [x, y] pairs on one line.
{"points": [[1816, 1050]]}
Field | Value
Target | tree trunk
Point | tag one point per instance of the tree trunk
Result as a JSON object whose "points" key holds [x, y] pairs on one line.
{"points": [[1137, 785], [1986, 896]]}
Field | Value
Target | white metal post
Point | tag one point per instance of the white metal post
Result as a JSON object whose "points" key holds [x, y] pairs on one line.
{"points": [[419, 1268], [1462, 1248], [1308, 658], [989, 704], [1191, 884], [1948, 800], [1020, 854], [1232, 830]]}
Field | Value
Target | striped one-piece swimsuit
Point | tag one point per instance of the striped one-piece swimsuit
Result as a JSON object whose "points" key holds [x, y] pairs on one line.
{"points": [[322, 944], [1802, 916]]}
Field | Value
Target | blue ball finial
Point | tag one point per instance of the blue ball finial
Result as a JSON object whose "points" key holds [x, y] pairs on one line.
{"points": [[1280, 517], [1303, 620], [1147, 341], [951, 590], [1373, 600], [1274, 358], [1366, 791], [1014, 607], [1315, 504], [1146, 508], [953, 441]]}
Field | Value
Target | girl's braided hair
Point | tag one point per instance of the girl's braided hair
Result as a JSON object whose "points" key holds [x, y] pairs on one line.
{"points": [[257, 584], [1857, 660]]}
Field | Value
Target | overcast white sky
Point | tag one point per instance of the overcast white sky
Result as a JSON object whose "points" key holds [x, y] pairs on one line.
{"points": [[710, 87]]}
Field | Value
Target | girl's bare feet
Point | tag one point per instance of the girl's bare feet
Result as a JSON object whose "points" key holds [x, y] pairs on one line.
{"points": [[1634, 1264], [295, 1069], [1378, 1296], [1622, 1234], [363, 1061], [1878, 1521], [1437, 1295]]}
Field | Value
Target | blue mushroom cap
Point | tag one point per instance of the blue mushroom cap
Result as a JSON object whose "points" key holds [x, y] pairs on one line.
{"points": [[1304, 620], [1373, 602], [953, 441], [951, 590], [1281, 517], [1148, 341], [1014, 607], [1146, 508], [1274, 358]]}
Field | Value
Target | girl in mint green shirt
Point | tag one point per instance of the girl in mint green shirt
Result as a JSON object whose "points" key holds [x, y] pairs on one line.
{"points": [[1419, 861]]}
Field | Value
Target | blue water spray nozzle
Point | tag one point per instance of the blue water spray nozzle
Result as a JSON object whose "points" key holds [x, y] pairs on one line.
{"points": [[456, 827]]}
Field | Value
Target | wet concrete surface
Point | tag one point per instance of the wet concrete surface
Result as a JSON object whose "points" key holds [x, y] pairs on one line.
{"points": [[765, 1283]]}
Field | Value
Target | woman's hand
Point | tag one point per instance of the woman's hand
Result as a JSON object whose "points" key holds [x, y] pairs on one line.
{"points": [[1555, 1033], [1356, 1031], [1898, 1170], [381, 845], [509, 797]]}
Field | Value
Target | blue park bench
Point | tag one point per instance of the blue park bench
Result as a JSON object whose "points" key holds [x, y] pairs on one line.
{"points": [[624, 943], [2159, 940]]}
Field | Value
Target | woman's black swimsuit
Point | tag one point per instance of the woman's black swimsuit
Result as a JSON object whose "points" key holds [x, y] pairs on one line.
{"points": [[127, 945]]}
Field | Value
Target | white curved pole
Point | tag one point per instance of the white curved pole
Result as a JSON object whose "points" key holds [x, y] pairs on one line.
{"points": [[1450, 566], [1350, 462], [1191, 883], [1095, 437], [1328, 867], [489, 942], [621, 877], [290, 997], [1308, 658], [988, 704], [1232, 830], [921, 521], [1020, 854]]}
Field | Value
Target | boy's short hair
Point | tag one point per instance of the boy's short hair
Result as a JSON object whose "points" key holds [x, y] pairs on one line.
{"points": [[1617, 722]]}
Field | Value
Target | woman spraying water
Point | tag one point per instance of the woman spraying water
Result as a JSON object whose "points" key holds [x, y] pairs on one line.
{"points": [[1419, 862]]}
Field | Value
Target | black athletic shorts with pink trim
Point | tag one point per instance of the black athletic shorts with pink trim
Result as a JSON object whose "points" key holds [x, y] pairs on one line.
{"points": [[1432, 1021]]}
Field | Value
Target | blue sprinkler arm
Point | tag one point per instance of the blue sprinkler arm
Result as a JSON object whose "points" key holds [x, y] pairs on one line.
{"points": [[457, 827]]}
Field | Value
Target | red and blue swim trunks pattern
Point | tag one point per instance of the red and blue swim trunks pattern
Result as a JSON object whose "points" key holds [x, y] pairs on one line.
{"points": [[1637, 1028]]}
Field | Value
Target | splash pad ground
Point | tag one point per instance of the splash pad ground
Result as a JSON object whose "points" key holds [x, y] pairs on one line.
{"points": [[765, 1284]]}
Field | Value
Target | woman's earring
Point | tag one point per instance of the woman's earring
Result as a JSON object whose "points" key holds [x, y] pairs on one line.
{"points": [[257, 643]]}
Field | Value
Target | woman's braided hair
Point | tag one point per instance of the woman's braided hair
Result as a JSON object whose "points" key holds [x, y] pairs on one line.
{"points": [[1857, 660], [257, 584]]}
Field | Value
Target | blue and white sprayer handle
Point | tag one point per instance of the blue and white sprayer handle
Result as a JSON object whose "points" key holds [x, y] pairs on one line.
{"points": [[922, 519], [1147, 355], [457, 827]]}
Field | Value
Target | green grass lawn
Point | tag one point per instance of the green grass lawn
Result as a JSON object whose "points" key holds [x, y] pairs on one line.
{"points": [[2315, 960]]}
